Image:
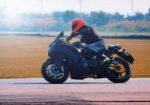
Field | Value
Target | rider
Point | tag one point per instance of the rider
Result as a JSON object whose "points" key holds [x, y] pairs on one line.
{"points": [[88, 36]]}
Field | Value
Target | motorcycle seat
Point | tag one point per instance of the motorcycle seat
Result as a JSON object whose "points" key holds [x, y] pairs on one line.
{"points": [[114, 47]]}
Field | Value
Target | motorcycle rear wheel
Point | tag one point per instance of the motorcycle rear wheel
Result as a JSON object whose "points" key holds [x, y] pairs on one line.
{"points": [[121, 74], [53, 74]]}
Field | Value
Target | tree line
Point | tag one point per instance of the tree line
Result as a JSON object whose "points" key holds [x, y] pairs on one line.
{"points": [[58, 21]]}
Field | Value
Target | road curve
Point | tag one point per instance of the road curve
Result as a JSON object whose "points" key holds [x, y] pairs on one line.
{"points": [[87, 92]]}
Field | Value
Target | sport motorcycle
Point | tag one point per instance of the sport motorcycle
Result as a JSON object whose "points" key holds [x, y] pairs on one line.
{"points": [[77, 61]]}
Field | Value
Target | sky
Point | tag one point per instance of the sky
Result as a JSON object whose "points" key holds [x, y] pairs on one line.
{"points": [[47, 6]]}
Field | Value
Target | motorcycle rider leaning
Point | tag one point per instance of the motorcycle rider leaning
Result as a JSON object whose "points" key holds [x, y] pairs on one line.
{"points": [[88, 36]]}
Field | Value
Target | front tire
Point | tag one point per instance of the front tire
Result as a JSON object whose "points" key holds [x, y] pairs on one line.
{"points": [[53, 75], [119, 74]]}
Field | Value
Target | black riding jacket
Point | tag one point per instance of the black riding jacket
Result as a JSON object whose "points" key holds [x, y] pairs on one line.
{"points": [[88, 35]]}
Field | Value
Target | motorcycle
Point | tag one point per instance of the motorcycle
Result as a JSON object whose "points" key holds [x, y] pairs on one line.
{"points": [[77, 62]]}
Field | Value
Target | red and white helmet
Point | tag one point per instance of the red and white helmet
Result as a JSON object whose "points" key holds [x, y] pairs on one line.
{"points": [[77, 24]]}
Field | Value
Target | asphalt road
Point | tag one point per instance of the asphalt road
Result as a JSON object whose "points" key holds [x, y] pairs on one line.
{"points": [[87, 92]]}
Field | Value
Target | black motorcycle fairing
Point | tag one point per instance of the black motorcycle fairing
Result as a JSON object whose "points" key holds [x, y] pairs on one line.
{"points": [[116, 49], [74, 58]]}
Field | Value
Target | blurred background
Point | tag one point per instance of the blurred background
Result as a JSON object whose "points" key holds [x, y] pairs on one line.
{"points": [[47, 16]]}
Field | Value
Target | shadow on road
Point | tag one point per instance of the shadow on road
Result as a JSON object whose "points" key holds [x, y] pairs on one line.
{"points": [[66, 83], [31, 83], [88, 83]]}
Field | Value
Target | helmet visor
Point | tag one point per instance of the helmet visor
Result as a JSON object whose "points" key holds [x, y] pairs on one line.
{"points": [[74, 26]]}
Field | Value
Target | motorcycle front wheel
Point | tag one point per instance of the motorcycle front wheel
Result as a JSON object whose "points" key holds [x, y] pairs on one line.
{"points": [[54, 73], [119, 71]]}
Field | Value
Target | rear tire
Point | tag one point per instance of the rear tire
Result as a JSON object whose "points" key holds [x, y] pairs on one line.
{"points": [[48, 75], [113, 74]]}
